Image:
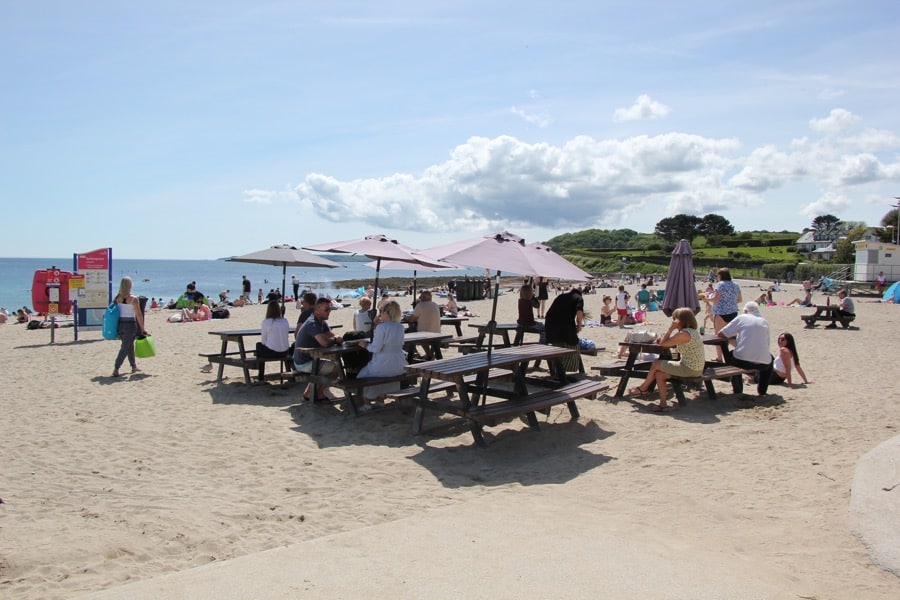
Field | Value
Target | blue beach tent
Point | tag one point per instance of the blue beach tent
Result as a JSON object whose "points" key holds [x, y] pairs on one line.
{"points": [[892, 292]]}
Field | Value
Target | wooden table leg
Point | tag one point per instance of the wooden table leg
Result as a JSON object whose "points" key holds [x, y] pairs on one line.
{"points": [[223, 352], [629, 365], [419, 415], [244, 360]]}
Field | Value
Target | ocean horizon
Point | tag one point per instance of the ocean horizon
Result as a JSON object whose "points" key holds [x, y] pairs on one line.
{"points": [[167, 279]]}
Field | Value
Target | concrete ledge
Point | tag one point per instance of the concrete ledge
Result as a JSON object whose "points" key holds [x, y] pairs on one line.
{"points": [[875, 504]]}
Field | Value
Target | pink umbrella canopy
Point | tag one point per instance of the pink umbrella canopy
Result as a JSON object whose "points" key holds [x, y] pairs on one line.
{"points": [[380, 247], [551, 264], [507, 252], [396, 265], [680, 290]]}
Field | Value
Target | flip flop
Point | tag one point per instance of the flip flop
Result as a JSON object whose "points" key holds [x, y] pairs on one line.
{"points": [[656, 408]]}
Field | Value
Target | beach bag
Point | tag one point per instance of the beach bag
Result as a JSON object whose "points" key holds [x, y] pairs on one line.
{"points": [[111, 322], [144, 346], [220, 313], [640, 337]]}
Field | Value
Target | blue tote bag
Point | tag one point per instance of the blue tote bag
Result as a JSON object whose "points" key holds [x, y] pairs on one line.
{"points": [[111, 322]]}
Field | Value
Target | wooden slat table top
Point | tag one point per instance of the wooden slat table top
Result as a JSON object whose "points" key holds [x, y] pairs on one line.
{"points": [[457, 367]]}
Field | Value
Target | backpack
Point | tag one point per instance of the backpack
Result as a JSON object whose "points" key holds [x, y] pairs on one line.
{"points": [[111, 322], [220, 313]]}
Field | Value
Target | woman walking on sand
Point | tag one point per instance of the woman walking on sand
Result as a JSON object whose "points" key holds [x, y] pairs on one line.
{"points": [[131, 321]]}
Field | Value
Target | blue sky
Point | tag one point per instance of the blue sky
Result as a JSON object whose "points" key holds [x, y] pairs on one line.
{"points": [[206, 129]]}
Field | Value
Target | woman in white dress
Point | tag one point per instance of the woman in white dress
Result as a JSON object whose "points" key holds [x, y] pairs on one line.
{"points": [[388, 358]]}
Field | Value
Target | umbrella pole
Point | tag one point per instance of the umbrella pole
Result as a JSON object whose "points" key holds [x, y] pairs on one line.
{"points": [[414, 286], [492, 324], [283, 283], [373, 312]]}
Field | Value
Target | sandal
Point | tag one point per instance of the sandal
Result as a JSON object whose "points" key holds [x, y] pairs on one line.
{"points": [[656, 408], [638, 391]]}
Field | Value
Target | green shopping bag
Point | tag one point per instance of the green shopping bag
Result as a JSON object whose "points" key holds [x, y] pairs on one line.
{"points": [[144, 346]]}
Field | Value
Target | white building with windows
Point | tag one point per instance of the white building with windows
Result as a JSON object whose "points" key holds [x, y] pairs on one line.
{"points": [[873, 257]]}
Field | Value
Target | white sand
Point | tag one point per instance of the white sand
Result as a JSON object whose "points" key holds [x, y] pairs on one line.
{"points": [[105, 481]]}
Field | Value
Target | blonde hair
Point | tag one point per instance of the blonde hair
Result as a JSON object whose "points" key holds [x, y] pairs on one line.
{"points": [[392, 310], [365, 303], [686, 317], [125, 288]]}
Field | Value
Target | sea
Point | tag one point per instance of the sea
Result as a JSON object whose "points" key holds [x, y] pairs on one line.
{"points": [[167, 279]]}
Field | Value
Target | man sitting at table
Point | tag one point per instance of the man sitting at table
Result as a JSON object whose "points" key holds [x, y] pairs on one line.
{"points": [[751, 349], [845, 309], [316, 332], [426, 317]]}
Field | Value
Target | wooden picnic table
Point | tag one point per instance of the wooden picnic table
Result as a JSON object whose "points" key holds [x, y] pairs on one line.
{"points": [[472, 395], [502, 330], [633, 366], [827, 312], [456, 322], [353, 388], [240, 357], [233, 358]]}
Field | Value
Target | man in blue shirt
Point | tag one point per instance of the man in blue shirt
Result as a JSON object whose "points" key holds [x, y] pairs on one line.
{"points": [[316, 332]]}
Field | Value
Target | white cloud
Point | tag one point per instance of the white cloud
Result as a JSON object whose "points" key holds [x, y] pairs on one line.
{"points": [[643, 108], [490, 183], [533, 118], [837, 122], [830, 203]]}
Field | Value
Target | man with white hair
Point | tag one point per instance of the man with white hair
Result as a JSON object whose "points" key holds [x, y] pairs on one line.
{"points": [[751, 349]]}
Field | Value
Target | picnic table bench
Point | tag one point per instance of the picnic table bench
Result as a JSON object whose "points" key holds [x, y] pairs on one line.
{"points": [[490, 414], [354, 387], [241, 358], [470, 374], [828, 312], [447, 386], [710, 373]]}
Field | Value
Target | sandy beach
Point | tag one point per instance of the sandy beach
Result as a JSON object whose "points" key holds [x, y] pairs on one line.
{"points": [[110, 481]]}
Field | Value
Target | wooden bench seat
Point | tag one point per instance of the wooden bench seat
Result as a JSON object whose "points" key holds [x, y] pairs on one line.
{"points": [[725, 372], [488, 414], [217, 354], [460, 339], [446, 386], [251, 363], [811, 320], [617, 368], [353, 387]]}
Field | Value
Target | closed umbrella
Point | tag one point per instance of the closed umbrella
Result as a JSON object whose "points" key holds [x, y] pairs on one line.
{"points": [[285, 256], [680, 290]]}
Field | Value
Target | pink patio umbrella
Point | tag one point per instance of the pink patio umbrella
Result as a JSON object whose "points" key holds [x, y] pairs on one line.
{"points": [[380, 247], [680, 290], [396, 265], [507, 252], [551, 264]]}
